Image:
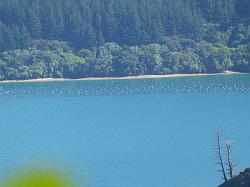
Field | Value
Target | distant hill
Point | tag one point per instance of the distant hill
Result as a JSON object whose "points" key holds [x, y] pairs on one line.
{"points": [[242, 180], [107, 38], [88, 23]]}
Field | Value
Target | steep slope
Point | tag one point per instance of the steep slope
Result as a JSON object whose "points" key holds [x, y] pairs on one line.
{"points": [[242, 180]]}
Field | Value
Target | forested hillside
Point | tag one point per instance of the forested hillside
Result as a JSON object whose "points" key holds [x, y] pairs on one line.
{"points": [[81, 38]]}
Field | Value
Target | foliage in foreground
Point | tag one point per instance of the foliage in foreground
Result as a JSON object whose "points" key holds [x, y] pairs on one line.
{"points": [[242, 180], [38, 178]]}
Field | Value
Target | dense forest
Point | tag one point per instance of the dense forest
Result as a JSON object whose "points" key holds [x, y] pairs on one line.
{"points": [[83, 38]]}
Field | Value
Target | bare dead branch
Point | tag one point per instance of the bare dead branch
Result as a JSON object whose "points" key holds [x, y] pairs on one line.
{"points": [[230, 164], [218, 154]]}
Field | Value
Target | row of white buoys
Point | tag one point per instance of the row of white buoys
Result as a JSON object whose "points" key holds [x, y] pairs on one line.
{"points": [[118, 88]]}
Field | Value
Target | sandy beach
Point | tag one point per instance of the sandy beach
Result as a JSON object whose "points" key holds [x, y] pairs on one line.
{"points": [[118, 78]]}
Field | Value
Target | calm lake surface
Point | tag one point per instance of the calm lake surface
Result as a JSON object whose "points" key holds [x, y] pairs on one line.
{"points": [[126, 133]]}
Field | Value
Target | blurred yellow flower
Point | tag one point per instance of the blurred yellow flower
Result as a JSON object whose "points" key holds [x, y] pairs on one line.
{"points": [[39, 178]]}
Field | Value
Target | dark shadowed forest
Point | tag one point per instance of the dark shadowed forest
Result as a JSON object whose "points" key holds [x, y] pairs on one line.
{"points": [[103, 38]]}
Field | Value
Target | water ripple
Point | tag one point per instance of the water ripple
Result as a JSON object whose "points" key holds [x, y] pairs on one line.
{"points": [[211, 84]]}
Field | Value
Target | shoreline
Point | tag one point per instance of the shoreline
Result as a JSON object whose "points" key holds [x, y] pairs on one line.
{"points": [[118, 78]]}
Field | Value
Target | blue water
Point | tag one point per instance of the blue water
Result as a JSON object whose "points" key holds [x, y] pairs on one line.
{"points": [[126, 133]]}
